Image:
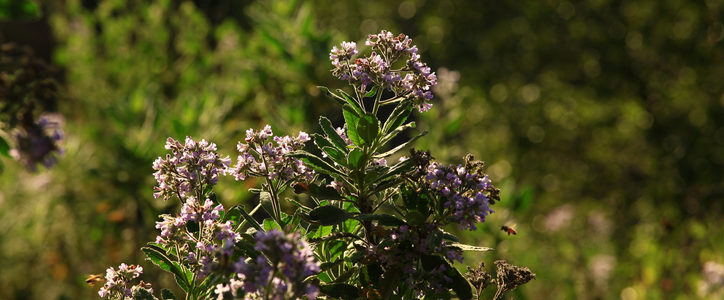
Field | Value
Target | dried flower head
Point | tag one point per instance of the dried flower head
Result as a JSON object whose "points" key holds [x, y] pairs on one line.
{"points": [[510, 277]]}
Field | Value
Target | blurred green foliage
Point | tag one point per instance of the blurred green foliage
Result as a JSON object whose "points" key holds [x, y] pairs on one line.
{"points": [[602, 121]]}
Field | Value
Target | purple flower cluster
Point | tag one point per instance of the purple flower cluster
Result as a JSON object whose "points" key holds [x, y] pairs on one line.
{"points": [[409, 245], [38, 143], [414, 79], [261, 158], [117, 281], [205, 250], [191, 167], [465, 193], [287, 262]]}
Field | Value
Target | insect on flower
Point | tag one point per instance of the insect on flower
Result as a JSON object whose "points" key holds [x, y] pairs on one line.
{"points": [[508, 230], [92, 279]]}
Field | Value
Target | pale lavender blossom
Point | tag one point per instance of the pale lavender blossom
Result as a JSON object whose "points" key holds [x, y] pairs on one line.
{"points": [[260, 157], [414, 79], [191, 167], [118, 281], [289, 255]]}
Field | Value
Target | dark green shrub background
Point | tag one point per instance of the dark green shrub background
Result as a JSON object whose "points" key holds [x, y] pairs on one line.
{"points": [[602, 121]]}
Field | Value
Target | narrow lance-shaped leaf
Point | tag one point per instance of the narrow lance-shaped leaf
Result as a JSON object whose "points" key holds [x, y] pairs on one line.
{"points": [[315, 162], [355, 159], [332, 95], [336, 155], [371, 93], [465, 247], [382, 219], [322, 141], [394, 133], [332, 134], [159, 258], [329, 215], [353, 103], [4, 147], [398, 116], [265, 199], [403, 145], [367, 128], [352, 118]]}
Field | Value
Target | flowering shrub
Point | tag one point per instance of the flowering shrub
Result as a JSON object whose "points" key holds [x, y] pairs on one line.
{"points": [[28, 98], [359, 228]]}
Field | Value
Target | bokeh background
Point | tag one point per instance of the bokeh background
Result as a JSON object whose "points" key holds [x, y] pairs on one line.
{"points": [[602, 122]]}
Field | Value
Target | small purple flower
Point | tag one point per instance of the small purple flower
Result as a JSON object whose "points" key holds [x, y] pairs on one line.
{"points": [[259, 157], [415, 80], [118, 281], [39, 143], [290, 256], [191, 166], [464, 193]]}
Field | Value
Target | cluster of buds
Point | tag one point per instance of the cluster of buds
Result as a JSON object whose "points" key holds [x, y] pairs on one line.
{"points": [[207, 249], [414, 79], [191, 167], [279, 273], [261, 158], [38, 143], [408, 246], [117, 284], [467, 195]]}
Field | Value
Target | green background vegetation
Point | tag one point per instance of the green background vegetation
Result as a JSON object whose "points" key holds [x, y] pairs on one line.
{"points": [[601, 121]]}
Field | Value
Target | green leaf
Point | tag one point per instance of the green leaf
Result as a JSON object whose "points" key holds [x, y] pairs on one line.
{"points": [[340, 290], [449, 236], [158, 257], [465, 247], [371, 93], [315, 162], [397, 169], [251, 220], [331, 95], [395, 132], [322, 141], [382, 219], [434, 239], [329, 215], [140, 293], [4, 147], [332, 134], [336, 155], [323, 192], [266, 202], [166, 294], [367, 128], [233, 215], [394, 150], [352, 118], [355, 159], [270, 225], [351, 102], [398, 116]]}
